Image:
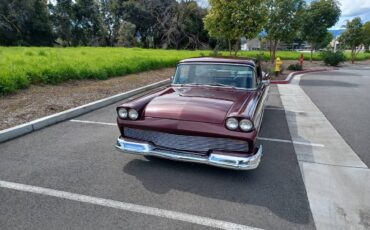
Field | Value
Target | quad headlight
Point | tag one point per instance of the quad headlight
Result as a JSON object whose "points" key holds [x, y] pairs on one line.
{"points": [[122, 113], [125, 113], [245, 125], [232, 123], [133, 114]]}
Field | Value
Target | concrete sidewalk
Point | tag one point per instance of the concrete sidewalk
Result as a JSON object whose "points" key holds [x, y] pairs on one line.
{"points": [[336, 179]]}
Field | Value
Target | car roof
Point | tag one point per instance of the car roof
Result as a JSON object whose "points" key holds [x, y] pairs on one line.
{"points": [[225, 60]]}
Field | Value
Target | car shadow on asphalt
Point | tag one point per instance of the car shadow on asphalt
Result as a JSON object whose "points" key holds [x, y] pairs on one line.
{"points": [[276, 184]]}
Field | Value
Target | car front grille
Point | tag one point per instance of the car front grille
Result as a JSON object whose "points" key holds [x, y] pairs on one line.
{"points": [[186, 143]]}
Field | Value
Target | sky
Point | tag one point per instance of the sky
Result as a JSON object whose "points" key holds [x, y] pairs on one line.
{"points": [[350, 9], [354, 8]]}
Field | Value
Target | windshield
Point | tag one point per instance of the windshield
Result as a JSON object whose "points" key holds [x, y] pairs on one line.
{"points": [[239, 76]]}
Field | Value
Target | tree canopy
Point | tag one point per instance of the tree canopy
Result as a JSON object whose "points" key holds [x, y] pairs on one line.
{"points": [[366, 31], [175, 24], [284, 20], [353, 37], [318, 17], [233, 19], [157, 23]]}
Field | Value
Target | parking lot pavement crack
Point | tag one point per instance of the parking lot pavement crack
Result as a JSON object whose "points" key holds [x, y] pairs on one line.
{"points": [[334, 176]]}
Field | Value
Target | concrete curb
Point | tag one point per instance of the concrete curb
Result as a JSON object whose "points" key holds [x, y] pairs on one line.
{"points": [[291, 75], [11, 133]]}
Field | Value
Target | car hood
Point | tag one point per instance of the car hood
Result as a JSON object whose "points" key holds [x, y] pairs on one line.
{"points": [[201, 104]]}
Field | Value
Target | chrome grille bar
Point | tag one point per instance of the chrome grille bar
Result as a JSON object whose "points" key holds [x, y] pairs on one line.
{"points": [[187, 143]]}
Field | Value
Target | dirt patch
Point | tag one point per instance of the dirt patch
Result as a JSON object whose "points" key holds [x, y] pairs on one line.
{"points": [[42, 100]]}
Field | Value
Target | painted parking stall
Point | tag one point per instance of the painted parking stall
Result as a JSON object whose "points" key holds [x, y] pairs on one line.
{"points": [[77, 157]]}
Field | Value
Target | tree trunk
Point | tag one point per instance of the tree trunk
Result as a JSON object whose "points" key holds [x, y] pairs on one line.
{"points": [[311, 52], [236, 47], [353, 54], [274, 50], [229, 46], [270, 49]]}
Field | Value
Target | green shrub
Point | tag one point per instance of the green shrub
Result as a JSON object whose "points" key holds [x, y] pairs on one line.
{"points": [[215, 53], [295, 67], [28, 53], [262, 57], [42, 53], [332, 58]]}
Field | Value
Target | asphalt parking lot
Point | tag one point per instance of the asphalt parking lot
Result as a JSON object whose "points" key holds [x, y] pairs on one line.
{"points": [[79, 158], [343, 96]]}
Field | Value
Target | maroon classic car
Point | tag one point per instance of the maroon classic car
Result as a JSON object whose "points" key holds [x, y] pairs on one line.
{"points": [[211, 114]]}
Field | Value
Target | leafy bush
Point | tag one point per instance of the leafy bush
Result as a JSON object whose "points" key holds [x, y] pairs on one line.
{"points": [[295, 67], [332, 58], [262, 57], [215, 53]]}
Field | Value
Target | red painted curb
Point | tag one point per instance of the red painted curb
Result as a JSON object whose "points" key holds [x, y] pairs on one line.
{"points": [[291, 75]]}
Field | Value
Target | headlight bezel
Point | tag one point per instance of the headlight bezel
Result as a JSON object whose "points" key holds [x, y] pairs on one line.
{"points": [[238, 123], [134, 113]]}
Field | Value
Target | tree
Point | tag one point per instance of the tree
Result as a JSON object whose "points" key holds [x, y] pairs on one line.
{"points": [[88, 26], [284, 20], [160, 11], [326, 41], [366, 31], [40, 32], [63, 21], [319, 16], [184, 29], [353, 37], [108, 22], [233, 19], [126, 34], [25, 23], [136, 13], [196, 36], [13, 17]]}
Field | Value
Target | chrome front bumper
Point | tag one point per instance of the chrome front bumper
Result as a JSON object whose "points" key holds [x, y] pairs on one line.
{"points": [[219, 160]]}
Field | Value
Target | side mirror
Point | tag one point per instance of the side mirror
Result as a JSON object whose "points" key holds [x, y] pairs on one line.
{"points": [[266, 76]]}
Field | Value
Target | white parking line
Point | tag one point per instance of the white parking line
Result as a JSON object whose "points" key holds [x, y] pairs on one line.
{"points": [[260, 138], [94, 122], [289, 141], [291, 111], [205, 221]]}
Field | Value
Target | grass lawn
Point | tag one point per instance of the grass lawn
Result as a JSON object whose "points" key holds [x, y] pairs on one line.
{"points": [[22, 66]]}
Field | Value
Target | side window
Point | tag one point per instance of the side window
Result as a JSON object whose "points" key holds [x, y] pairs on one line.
{"points": [[182, 74]]}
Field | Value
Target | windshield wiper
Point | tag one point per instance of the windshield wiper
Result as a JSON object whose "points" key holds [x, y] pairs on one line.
{"points": [[212, 84], [185, 84], [223, 85]]}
